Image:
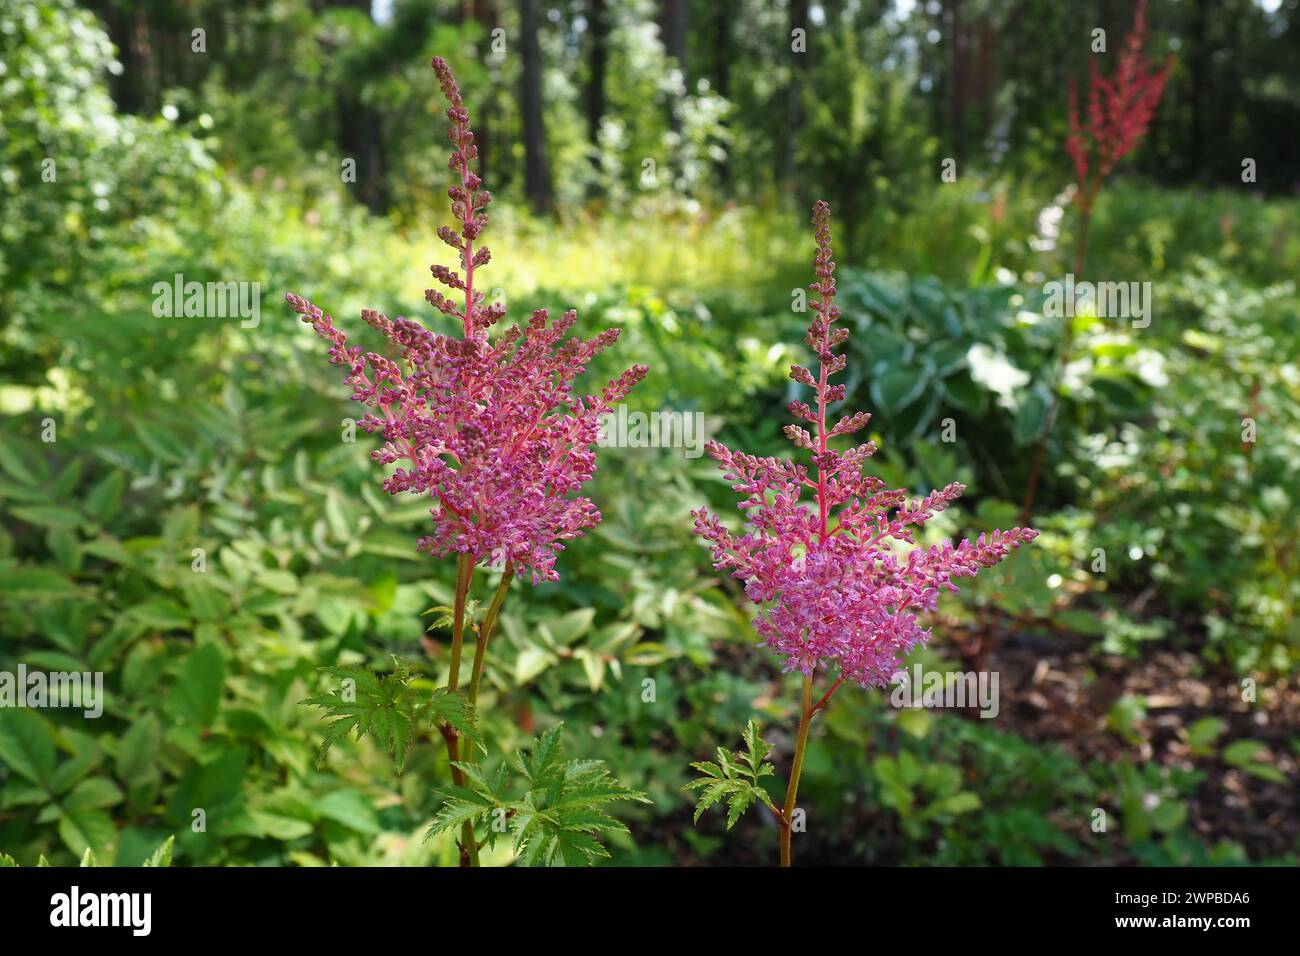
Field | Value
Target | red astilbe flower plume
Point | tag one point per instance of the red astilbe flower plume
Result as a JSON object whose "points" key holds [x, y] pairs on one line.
{"points": [[490, 430], [839, 589], [1119, 111]]}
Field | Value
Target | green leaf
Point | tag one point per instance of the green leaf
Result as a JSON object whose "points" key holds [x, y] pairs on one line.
{"points": [[137, 752], [1168, 815], [280, 582], [447, 707], [26, 746], [958, 803], [350, 808], [1202, 734], [569, 627], [1252, 757], [898, 387], [279, 826], [105, 498], [560, 817], [1243, 752], [47, 516], [205, 601], [532, 661], [459, 806], [389, 709], [1031, 415], [1266, 772], [964, 393], [196, 696], [28, 583], [735, 778], [85, 757], [82, 829], [593, 665], [163, 855], [18, 460], [94, 793]]}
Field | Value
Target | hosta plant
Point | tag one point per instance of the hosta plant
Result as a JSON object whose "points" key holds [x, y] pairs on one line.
{"points": [[830, 555], [490, 431]]}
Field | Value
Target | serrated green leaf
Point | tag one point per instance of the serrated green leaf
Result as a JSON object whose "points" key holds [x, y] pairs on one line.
{"points": [[561, 815], [163, 855], [737, 778], [384, 707]]}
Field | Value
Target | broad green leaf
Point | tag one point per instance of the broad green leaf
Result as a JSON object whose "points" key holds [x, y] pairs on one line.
{"points": [[93, 793], [106, 497], [84, 829], [20, 461], [899, 387], [1243, 752], [26, 746], [31, 583], [196, 695], [137, 752], [350, 808], [48, 516], [1202, 734], [161, 614]]}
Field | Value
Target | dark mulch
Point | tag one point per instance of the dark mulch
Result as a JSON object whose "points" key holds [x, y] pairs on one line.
{"points": [[1061, 691]]}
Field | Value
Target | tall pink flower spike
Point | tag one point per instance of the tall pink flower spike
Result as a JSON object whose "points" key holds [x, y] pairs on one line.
{"points": [[1120, 110], [491, 431], [837, 591]]}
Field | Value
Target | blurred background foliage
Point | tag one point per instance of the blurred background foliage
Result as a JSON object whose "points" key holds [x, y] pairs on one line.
{"points": [[660, 183]]}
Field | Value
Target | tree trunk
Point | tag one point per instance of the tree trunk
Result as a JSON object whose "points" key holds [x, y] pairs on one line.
{"points": [[958, 77], [1200, 69], [720, 73], [595, 93], [674, 35], [483, 12], [537, 180], [794, 96]]}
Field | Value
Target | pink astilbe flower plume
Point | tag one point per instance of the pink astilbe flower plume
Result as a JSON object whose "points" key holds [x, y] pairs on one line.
{"points": [[489, 429], [843, 580], [1120, 109]]}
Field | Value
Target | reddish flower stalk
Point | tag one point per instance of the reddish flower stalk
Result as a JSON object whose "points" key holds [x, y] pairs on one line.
{"points": [[844, 581], [1120, 110], [490, 430]]}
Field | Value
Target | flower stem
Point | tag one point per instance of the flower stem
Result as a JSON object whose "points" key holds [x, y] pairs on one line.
{"points": [[826, 698], [464, 574], [485, 632], [450, 736], [1063, 357], [796, 770]]}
